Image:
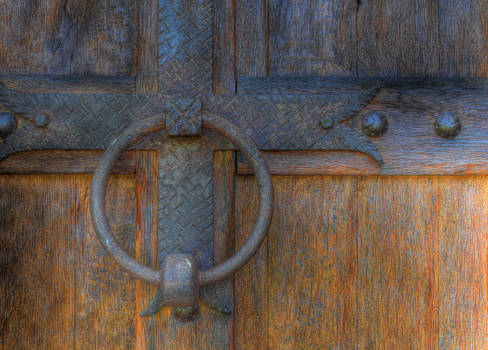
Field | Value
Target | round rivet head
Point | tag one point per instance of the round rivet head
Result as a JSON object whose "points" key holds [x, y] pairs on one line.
{"points": [[327, 122], [375, 124], [8, 123], [447, 125], [41, 120]]}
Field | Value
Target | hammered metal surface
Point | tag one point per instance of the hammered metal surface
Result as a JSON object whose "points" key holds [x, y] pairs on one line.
{"points": [[185, 47], [293, 122], [185, 214]]}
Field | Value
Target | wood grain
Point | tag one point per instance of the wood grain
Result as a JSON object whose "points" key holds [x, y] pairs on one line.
{"points": [[299, 292], [398, 254], [312, 264], [68, 38], [314, 163], [224, 58], [69, 84], [64, 162], [147, 47], [146, 244], [224, 197], [251, 309], [312, 37], [366, 262], [463, 255], [413, 38], [60, 289], [105, 294], [398, 38], [252, 39], [37, 254], [463, 34]]}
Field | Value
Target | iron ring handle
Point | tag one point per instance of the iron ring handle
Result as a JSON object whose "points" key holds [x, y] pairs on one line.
{"points": [[218, 272]]}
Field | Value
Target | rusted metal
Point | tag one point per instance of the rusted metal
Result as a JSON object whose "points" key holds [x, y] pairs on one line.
{"points": [[203, 277]]}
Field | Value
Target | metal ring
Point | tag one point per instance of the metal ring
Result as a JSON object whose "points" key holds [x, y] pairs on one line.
{"points": [[149, 125]]}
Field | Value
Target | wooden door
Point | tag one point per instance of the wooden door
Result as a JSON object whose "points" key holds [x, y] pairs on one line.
{"points": [[377, 241]]}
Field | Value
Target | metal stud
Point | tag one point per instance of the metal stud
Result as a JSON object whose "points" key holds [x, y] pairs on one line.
{"points": [[41, 120], [447, 125], [375, 124], [8, 123], [327, 122]]}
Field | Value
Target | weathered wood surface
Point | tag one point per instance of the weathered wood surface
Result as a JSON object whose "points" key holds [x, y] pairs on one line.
{"points": [[224, 197], [251, 313], [312, 37], [60, 290], [398, 38], [252, 47], [147, 48], [330, 234], [366, 263], [463, 34], [64, 162], [146, 169], [224, 48], [68, 38], [69, 84]]}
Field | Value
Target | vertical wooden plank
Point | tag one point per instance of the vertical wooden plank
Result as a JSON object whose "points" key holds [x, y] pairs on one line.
{"points": [[312, 37], [398, 38], [463, 222], [146, 244], [147, 47], [251, 308], [37, 254], [399, 262], [463, 38], [223, 188], [222, 292], [105, 294], [252, 38], [300, 291], [224, 61], [312, 264]]}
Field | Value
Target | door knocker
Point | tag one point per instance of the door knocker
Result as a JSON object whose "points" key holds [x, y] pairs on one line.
{"points": [[180, 276]]}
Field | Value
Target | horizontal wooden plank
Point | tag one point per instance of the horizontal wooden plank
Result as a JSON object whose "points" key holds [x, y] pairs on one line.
{"points": [[314, 163], [63, 162], [353, 163], [302, 85], [69, 84]]}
